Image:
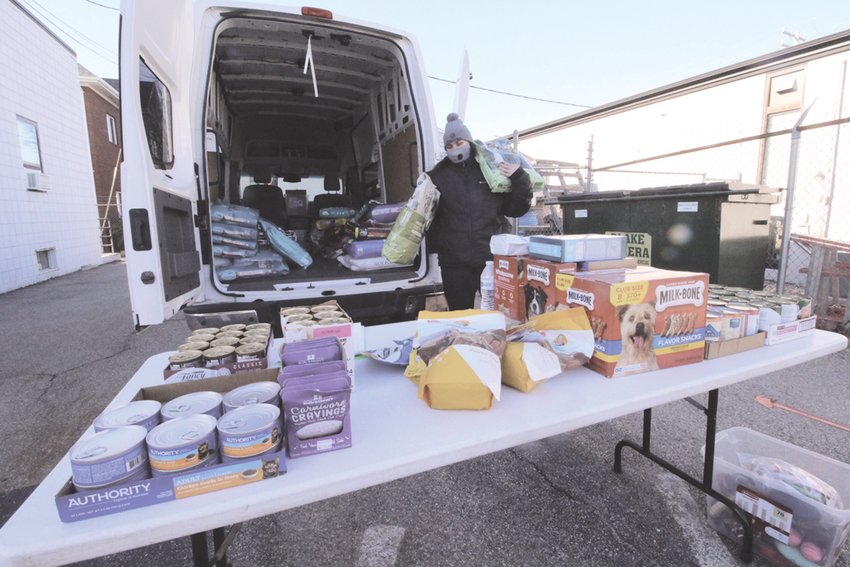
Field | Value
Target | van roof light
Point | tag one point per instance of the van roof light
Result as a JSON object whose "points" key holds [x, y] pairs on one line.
{"points": [[317, 12]]}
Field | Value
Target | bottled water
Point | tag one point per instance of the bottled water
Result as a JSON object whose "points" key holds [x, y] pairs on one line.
{"points": [[488, 287]]}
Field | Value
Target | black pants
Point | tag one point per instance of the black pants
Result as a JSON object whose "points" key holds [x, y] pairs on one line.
{"points": [[460, 284]]}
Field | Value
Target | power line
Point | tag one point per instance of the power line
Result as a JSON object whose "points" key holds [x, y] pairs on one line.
{"points": [[515, 94], [102, 5], [93, 46]]}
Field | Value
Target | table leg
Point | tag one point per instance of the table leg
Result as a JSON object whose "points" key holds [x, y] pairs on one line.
{"points": [[705, 485], [200, 553], [221, 541]]}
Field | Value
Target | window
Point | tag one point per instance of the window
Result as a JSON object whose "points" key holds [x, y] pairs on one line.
{"points": [[46, 259], [28, 136], [156, 114], [111, 131]]}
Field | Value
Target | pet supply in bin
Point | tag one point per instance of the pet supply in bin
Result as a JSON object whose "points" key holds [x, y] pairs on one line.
{"points": [[795, 499]]}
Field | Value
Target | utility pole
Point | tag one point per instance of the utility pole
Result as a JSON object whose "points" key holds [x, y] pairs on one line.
{"points": [[794, 37], [588, 183]]}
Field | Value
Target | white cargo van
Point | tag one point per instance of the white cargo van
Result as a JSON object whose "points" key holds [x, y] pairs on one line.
{"points": [[303, 106]]}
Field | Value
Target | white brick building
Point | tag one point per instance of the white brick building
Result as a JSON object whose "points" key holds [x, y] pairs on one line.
{"points": [[48, 209]]}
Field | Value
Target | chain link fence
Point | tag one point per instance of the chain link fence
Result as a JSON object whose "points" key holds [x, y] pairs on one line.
{"points": [[804, 158]]}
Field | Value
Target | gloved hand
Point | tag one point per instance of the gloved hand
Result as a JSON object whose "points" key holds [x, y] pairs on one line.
{"points": [[508, 169]]}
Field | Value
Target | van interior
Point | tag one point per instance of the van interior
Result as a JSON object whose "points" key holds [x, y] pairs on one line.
{"points": [[305, 116]]}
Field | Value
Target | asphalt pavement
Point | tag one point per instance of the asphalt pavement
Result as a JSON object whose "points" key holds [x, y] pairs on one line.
{"points": [[69, 345]]}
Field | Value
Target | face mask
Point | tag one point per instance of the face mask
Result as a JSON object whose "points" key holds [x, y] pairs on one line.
{"points": [[460, 154]]}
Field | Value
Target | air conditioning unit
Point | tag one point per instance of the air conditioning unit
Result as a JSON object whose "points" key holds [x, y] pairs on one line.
{"points": [[38, 182]]}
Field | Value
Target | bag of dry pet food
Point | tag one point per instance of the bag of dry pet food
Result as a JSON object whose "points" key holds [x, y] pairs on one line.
{"points": [[564, 332], [409, 228], [457, 362]]}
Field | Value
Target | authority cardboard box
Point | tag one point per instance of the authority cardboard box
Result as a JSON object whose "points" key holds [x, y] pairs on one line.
{"points": [[643, 318], [716, 349], [795, 499], [526, 286], [74, 505]]}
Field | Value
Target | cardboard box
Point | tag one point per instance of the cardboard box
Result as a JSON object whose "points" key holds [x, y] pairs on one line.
{"points": [[789, 331], [785, 521], [507, 281], [643, 318], [219, 370], [717, 349], [74, 506], [578, 247], [350, 334], [543, 284], [595, 265]]}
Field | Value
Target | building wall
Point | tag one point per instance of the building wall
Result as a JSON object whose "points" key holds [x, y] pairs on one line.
{"points": [[104, 154], [39, 81]]}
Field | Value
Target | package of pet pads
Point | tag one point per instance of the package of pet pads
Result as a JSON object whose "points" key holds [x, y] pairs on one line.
{"points": [[524, 365], [409, 228], [490, 155], [287, 247], [566, 332], [234, 231], [235, 214], [234, 242], [255, 269]]}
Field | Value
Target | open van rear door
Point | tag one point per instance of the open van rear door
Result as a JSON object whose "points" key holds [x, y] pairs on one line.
{"points": [[158, 174]]}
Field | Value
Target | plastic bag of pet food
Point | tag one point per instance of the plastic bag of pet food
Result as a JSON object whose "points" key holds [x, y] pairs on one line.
{"points": [[566, 332], [779, 474], [409, 228], [490, 155]]}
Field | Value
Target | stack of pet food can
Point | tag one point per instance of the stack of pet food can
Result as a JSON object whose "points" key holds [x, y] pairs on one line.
{"points": [[315, 397], [212, 346], [735, 312]]}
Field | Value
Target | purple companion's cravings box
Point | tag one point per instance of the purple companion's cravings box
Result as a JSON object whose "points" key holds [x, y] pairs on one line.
{"points": [[74, 505]]}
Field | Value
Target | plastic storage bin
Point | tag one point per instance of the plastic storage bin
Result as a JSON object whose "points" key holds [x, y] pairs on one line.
{"points": [[790, 528]]}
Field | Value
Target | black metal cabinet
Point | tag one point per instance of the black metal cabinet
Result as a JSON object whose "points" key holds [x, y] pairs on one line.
{"points": [[715, 228]]}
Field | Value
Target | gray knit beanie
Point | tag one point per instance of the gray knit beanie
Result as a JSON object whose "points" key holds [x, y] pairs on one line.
{"points": [[455, 130]]}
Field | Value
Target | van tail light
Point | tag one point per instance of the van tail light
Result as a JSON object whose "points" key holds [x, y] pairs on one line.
{"points": [[317, 13]]}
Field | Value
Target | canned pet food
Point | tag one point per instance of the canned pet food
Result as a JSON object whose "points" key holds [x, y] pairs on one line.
{"points": [[200, 337], [334, 321], [206, 331], [250, 351], [258, 327], [323, 308], [181, 444], [769, 314], [249, 394], [323, 315], [234, 327], [185, 359], [192, 404], [713, 327], [732, 325], [298, 318], [218, 355], [290, 311], [255, 336], [805, 304], [225, 341], [227, 334], [789, 310], [108, 457], [141, 412], [249, 431], [196, 345], [751, 318]]}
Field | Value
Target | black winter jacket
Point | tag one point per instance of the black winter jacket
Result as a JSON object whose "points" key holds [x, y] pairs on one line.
{"points": [[469, 213]]}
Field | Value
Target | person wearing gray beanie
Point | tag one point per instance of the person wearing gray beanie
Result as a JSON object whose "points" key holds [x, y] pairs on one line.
{"points": [[469, 213]]}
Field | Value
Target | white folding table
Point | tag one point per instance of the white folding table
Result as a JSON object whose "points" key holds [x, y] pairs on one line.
{"points": [[395, 435]]}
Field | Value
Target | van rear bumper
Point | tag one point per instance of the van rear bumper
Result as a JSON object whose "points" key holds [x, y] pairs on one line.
{"points": [[367, 308]]}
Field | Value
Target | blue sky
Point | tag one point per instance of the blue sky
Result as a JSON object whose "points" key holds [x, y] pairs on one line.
{"points": [[584, 53]]}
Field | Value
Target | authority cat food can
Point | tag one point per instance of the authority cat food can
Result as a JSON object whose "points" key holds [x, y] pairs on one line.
{"points": [[234, 327], [258, 327], [191, 404], [181, 444], [206, 331], [109, 457], [249, 394], [194, 345], [141, 412], [249, 431]]}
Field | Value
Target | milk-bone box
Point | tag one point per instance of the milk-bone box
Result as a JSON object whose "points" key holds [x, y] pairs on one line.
{"points": [[526, 286], [643, 318]]}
